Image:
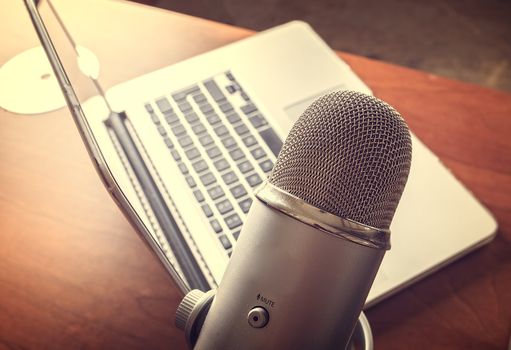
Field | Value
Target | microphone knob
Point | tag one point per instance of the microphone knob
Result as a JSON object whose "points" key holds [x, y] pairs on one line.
{"points": [[191, 313], [258, 317]]}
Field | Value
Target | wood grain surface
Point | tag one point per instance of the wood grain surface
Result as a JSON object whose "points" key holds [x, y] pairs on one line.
{"points": [[75, 275]]}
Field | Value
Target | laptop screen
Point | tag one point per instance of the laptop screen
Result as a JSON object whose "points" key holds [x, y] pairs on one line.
{"points": [[63, 28], [78, 63]]}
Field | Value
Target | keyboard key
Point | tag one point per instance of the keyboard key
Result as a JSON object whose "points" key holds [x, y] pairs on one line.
{"points": [[221, 130], [249, 108], [181, 95], [216, 225], [185, 141], [233, 221], [245, 96], [183, 168], [192, 153], [198, 196], [198, 128], [225, 242], [233, 117], [191, 117], [236, 154], [200, 166], [245, 204], [200, 97], [249, 140], [236, 235], [245, 167], [231, 89], [162, 130], [171, 118], [175, 155], [266, 166], [213, 119], [191, 182], [225, 107], [238, 191], [241, 129], [168, 142], [178, 130], [207, 179], [221, 164], [228, 142], [164, 105], [185, 106], [215, 192], [206, 108], [155, 118], [272, 140], [213, 152], [258, 153], [229, 76], [254, 180], [224, 206], [207, 210], [205, 140], [214, 90], [257, 120], [229, 177], [149, 108]]}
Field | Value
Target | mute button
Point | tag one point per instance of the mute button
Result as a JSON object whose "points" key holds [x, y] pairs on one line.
{"points": [[258, 317]]}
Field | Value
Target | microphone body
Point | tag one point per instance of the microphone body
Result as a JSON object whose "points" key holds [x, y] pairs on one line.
{"points": [[276, 254], [316, 234]]}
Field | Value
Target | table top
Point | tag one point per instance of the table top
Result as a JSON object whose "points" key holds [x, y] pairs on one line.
{"points": [[74, 274]]}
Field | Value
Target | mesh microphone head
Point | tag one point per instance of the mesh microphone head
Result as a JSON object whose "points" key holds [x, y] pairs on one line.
{"points": [[348, 154]]}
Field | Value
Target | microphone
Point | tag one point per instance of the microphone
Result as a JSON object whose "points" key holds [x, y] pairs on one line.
{"points": [[315, 236]]}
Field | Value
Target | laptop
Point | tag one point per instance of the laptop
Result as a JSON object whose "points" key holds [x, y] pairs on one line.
{"points": [[182, 149]]}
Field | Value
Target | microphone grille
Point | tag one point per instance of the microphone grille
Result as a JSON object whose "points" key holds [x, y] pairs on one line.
{"points": [[348, 154]]}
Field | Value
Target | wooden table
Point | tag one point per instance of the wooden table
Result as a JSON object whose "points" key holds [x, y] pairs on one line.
{"points": [[74, 274]]}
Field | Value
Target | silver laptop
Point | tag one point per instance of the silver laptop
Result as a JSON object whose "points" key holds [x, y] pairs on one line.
{"points": [[182, 149]]}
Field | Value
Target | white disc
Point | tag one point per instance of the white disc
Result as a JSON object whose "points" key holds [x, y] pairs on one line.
{"points": [[28, 85]]}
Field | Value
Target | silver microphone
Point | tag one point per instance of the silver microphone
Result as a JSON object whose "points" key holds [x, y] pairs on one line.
{"points": [[316, 235]]}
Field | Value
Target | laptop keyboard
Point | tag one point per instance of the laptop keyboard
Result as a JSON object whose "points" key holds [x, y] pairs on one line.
{"points": [[223, 146]]}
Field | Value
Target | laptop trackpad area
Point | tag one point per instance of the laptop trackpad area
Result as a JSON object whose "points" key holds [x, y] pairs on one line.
{"points": [[295, 110]]}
